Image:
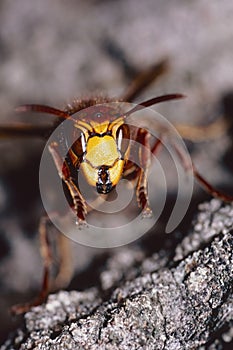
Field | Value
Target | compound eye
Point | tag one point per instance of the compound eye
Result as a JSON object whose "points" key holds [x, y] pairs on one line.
{"points": [[122, 138], [79, 146]]}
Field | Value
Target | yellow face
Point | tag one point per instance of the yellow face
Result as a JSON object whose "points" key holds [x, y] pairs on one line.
{"points": [[104, 153], [103, 165]]}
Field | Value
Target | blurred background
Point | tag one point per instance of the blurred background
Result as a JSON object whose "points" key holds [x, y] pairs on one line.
{"points": [[53, 51]]}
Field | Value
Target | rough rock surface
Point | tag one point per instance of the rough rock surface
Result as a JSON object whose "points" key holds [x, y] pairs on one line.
{"points": [[184, 304]]}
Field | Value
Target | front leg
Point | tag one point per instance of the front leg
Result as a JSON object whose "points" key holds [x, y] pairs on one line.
{"points": [[145, 161], [79, 203], [145, 151]]}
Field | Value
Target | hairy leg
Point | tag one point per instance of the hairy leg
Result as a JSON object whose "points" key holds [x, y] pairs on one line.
{"points": [[46, 253], [188, 166], [64, 173]]}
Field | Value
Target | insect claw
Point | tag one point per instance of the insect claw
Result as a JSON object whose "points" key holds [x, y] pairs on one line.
{"points": [[81, 224], [18, 309], [147, 213]]}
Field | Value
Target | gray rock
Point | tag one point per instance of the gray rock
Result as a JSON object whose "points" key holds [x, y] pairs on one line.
{"points": [[183, 304]]}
